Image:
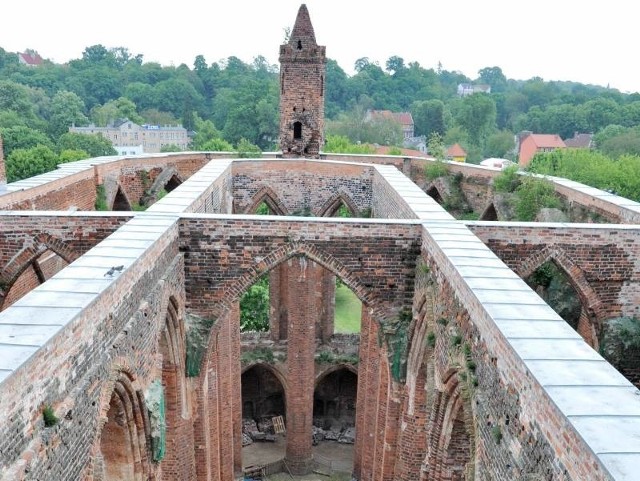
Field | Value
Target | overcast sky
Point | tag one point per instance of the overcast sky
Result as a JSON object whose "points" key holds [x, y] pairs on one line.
{"points": [[588, 42]]}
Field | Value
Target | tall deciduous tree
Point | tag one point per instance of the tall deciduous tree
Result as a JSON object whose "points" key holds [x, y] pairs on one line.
{"points": [[67, 109]]}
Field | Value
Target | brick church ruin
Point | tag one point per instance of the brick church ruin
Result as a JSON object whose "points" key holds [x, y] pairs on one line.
{"points": [[122, 357]]}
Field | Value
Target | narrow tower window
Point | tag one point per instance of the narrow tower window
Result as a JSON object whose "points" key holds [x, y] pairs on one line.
{"points": [[299, 44], [297, 130]]}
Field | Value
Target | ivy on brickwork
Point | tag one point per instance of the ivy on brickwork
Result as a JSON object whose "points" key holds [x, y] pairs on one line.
{"points": [[198, 329], [328, 357], [395, 333], [101, 198], [263, 354], [154, 399], [621, 335]]}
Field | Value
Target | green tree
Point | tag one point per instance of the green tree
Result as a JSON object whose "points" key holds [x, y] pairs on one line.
{"points": [[500, 144], [428, 117], [121, 108], [493, 77], [477, 115], [254, 306], [25, 163], [71, 156], [341, 144], [67, 109], [247, 150], [21, 137], [93, 144], [532, 195]]}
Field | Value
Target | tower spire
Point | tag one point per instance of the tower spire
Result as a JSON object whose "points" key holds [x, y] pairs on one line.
{"points": [[302, 75], [303, 29]]}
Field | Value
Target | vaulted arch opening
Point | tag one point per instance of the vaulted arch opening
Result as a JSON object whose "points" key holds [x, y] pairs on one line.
{"points": [[489, 213], [555, 286], [435, 194], [263, 415], [334, 399], [173, 183], [33, 273], [123, 447], [120, 201]]}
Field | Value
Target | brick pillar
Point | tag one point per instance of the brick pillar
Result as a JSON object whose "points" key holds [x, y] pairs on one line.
{"points": [[229, 394], [236, 389], [325, 297], [3, 172], [368, 401], [363, 377], [302, 318]]}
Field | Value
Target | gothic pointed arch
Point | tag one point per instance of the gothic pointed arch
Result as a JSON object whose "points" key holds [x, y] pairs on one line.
{"points": [[336, 367], [268, 196], [451, 439], [331, 206], [29, 255], [588, 296], [434, 193], [489, 213], [120, 201], [123, 452]]}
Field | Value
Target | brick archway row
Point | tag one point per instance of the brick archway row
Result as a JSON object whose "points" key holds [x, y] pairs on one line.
{"points": [[268, 196]]}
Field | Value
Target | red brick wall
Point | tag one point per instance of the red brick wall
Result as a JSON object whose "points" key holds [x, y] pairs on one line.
{"points": [[300, 187], [599, 260]]}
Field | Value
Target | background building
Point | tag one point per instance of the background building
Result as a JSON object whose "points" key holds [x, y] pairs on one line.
{"points": [[128, 137]]}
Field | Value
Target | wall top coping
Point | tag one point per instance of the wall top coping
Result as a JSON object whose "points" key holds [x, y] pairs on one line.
{"points": [[32, 321], [551, 225], [600, 404]]}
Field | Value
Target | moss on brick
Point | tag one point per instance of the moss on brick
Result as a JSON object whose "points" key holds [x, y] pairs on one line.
{"points": [[198, 329]]}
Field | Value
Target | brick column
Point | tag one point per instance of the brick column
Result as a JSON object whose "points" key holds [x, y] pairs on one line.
{"points": [[302, 317], [363, 378]]}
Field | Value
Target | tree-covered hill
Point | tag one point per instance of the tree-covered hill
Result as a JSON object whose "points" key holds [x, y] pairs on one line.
{"points": [[232, 100]]}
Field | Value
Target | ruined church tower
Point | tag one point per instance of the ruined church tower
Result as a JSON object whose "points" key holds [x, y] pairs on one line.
{"points": [[302, 83]]}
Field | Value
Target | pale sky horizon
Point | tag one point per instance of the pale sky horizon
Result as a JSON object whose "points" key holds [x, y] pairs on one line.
{"points": [[555, 40]]}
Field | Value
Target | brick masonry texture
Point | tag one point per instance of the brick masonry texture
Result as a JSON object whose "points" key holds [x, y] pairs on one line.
{"points": [[436, 425], [302, 187], [602, 262]]}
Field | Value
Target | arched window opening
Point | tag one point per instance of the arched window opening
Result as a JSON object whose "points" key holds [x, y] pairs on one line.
{"points": [[37, 272], [299, 45], [254, 307], [120, 202], [553, 285], [348, 311], [334, 418], [297, 130], [435, 195]]}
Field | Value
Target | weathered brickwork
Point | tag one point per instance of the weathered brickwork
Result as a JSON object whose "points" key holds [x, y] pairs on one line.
{"points": [[387, 203], [25, 238], [302, 187], [601, 262], [302, 87], [77, 373]]}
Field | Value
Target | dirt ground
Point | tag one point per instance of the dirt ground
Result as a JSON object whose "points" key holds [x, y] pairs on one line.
{"points": [[340, 456]]}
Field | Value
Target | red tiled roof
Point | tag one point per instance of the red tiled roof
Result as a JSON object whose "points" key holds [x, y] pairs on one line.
{"points": [[403, 118], [547, 141], [456, 151], [30, 59], [580, 141]]}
